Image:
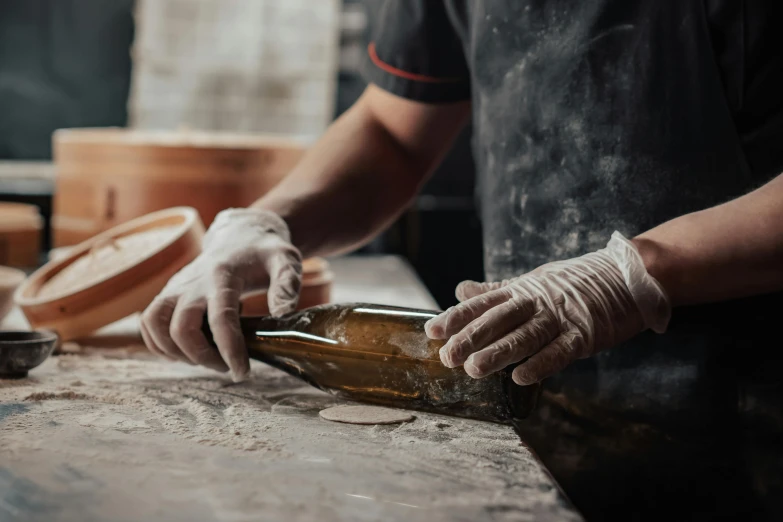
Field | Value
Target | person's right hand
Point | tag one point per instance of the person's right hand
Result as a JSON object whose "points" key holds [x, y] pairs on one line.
{"points": [[243, 250]]}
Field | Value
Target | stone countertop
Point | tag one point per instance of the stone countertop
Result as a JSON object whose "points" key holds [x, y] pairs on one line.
{"points": [[107, 432]]}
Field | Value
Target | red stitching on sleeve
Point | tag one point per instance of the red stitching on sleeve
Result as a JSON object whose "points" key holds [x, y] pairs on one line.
{"points": [[405, 74]]}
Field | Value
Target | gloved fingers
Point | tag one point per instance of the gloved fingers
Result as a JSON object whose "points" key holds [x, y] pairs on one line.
{"points": [[515, 346], [495, 323], [186, 332], [223, 317], [457, 317], [151, 346], [285, 280], [186, 277], [469, 289], [551, 359], [157, 322]]}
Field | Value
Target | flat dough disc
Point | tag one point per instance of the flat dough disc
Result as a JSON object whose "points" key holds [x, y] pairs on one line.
{"points": [[365, 415]]}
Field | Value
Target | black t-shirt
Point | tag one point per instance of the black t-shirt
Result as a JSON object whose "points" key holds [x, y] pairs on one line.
{"points": [[603, 115], [594, 116]]}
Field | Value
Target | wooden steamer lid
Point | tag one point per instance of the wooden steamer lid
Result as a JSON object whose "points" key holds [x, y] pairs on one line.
{"points": [[112, 275], [20, 234], [107, 176], [316, 286]]}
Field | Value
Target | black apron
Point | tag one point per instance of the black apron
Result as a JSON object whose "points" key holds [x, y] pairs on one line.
{"points": [[597, 116]]}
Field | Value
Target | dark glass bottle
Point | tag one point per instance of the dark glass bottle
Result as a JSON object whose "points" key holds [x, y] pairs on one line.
{"points": [[381, 355]]}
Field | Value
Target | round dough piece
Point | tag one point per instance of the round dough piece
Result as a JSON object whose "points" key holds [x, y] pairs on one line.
{"points": [[365, 415]]}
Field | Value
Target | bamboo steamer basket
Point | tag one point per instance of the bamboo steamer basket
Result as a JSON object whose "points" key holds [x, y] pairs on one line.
{"points": [[20, 235], [106, 176], [316, 289], [111, 275]]}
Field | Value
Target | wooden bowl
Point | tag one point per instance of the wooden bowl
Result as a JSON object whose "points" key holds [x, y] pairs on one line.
{"points": [[112, 275], [10, 279], [20, 235], [316, 289], [105, 177]]}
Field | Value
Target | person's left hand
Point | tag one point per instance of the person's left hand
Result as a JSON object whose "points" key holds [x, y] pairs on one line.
{"points": [[558, 313]]}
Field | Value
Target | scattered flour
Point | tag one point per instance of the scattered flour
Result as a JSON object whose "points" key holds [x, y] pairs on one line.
{"points": [[259, 445], [47, 396]]}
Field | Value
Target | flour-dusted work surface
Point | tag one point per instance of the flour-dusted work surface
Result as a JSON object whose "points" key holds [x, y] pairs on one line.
{"points": [[114, 434], [91, 438]]}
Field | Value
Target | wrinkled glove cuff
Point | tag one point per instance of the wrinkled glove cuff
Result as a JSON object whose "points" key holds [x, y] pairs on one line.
{"points": [[256, 219], [648, 294]]}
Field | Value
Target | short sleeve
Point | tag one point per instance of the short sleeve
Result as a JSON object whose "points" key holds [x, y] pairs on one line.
{"points": [[416, 53]]}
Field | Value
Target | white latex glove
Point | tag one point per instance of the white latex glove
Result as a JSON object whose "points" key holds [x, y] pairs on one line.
{"points": [[243, 250], [550, 317]]}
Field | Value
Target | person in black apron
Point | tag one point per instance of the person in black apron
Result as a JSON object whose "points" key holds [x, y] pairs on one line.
{"points": [[595, 123], [592, 117]]}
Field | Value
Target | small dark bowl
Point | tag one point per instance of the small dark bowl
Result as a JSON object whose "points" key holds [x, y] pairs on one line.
{"points": [[20, 352]]}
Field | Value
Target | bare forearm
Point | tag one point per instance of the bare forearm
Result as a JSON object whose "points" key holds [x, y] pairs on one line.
{"points": [[358, 177], [339, 195], [730, 251]]}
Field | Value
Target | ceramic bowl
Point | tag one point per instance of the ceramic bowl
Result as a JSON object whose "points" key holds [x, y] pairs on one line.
{"points": [[20, 352]]}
